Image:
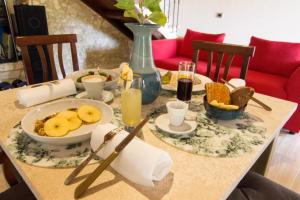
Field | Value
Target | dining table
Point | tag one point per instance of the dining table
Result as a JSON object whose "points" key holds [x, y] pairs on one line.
{"points": [[192, 176]]}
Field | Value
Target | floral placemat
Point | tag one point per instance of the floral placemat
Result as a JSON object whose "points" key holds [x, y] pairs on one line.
{"points": [[24, 148], [217, 138]]}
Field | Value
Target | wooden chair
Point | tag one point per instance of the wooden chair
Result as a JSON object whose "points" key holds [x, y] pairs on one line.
{"points": [[42, 41], [221, 49]]}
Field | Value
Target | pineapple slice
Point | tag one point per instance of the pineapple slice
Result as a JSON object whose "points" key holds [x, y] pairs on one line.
{"points": [[72, 118], [56, 127], [89, 114]]}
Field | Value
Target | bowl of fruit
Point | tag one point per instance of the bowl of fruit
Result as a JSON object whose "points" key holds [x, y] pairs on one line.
{"points": [[222, 104], [111, 78], [65, 121]]}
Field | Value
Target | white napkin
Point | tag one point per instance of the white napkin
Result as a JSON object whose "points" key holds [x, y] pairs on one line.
{"points": [[237, 82], [139, 162], [46, 92]]}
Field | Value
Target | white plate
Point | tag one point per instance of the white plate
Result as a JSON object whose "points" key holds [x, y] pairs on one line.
{"points": [[163, 123], [75, 75], [196, 88], [78, 135], [106, 95]]}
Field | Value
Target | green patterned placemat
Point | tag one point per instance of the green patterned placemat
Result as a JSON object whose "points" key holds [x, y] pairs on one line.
{"points": [[217, 138], [24, 148]]}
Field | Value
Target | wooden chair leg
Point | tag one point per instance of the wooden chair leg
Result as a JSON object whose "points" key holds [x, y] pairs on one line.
{"points": [[1, 156], [10, 173]]}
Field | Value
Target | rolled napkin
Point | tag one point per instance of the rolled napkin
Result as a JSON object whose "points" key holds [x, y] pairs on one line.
{"points": [[30, 96], [139, 162], [237, 82]]}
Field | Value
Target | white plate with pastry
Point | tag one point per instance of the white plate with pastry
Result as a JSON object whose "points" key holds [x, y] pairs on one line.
{"points": [[66, 121], [111, 77], [169, 81]]}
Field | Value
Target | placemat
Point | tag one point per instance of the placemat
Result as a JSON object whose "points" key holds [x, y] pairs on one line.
{"points": [[23, 148], [216, 138]]}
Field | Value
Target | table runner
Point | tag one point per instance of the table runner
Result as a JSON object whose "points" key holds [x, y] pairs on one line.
{"points": [[217, 138], [212, 137], [25, 149]]}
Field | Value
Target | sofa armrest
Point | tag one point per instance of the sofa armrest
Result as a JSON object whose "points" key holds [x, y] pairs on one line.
{"points": [[166, 48], [293, 86]]}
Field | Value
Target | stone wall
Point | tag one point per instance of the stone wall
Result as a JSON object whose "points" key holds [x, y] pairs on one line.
{"points": [[99, 43]]}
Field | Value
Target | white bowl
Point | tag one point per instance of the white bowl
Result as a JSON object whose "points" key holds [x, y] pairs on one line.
{"points": [[75, 75], [78, 135]]}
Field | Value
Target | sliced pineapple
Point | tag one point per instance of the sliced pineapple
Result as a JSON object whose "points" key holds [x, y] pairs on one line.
{"points": [[89, 114], [72, 118], [56, 127]]}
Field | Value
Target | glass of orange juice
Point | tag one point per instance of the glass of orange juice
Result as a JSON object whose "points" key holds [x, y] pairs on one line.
{"points": [[131, 101]]}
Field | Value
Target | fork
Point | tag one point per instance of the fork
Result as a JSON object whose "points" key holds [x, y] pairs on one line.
{"points": [[109, 136]]}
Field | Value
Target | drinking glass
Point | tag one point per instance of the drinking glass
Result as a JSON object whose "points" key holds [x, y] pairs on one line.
{"points": [[186, 72], [131, 102]]}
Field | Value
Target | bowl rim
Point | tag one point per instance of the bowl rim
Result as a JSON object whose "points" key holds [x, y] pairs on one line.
{"points": [[75, 75]]}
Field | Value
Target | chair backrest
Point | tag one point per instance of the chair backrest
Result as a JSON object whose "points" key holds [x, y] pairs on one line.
{"points": [[221, 49], [48, 41]]}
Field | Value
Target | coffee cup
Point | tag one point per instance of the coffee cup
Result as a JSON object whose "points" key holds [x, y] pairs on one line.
{"points": [[93, 85], [176, 112]]}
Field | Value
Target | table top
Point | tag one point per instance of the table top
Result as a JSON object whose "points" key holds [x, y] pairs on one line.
{"points": [[191, 177]]}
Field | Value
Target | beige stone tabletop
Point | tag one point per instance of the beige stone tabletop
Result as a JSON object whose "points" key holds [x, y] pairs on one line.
{"points": [[191, 177]]}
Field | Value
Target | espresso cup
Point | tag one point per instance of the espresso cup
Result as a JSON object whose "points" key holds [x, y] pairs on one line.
{"points": [[176, 112], [93, 85]]}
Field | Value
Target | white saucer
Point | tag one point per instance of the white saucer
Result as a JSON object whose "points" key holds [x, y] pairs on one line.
{"points": [[162, 122], [106, 95]]}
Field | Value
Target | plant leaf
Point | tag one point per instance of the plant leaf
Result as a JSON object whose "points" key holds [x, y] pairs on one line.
{"points": [[158, 18], [153, 5], [132, 13], [125, 4]]}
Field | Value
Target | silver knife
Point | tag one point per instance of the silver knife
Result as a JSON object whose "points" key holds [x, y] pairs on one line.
{"points": [[110, 135]]}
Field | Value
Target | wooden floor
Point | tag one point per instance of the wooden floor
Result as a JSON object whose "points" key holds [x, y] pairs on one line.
{"points": [[285, 164], [284, 168]]}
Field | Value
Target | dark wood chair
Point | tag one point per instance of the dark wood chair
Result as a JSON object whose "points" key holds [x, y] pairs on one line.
{"points": [[47, 41], [10, 173], [221, 49]]}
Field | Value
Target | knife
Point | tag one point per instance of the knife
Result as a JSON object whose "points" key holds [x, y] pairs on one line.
{"points": [[80, 189], [109, 136]]}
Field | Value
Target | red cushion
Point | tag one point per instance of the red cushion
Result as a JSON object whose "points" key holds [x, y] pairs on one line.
{"points": [[172, 64], [264, 83], [186, 49], [274, 57]]}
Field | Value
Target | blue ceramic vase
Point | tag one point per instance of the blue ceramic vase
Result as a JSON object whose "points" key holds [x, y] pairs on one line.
{"points": [[141, 60]]}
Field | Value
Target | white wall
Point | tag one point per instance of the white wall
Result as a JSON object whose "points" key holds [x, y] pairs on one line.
{"points": [[269, 19]]}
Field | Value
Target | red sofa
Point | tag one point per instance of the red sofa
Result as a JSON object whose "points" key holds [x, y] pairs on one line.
{"points": [[274, 70]]}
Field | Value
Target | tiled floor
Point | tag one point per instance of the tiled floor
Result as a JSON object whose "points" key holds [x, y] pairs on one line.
{"points": [[284, 168]]}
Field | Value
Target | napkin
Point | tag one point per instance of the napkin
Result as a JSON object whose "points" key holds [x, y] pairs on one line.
{"points": [[237, 82], [139, 162], [46, 92]]}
